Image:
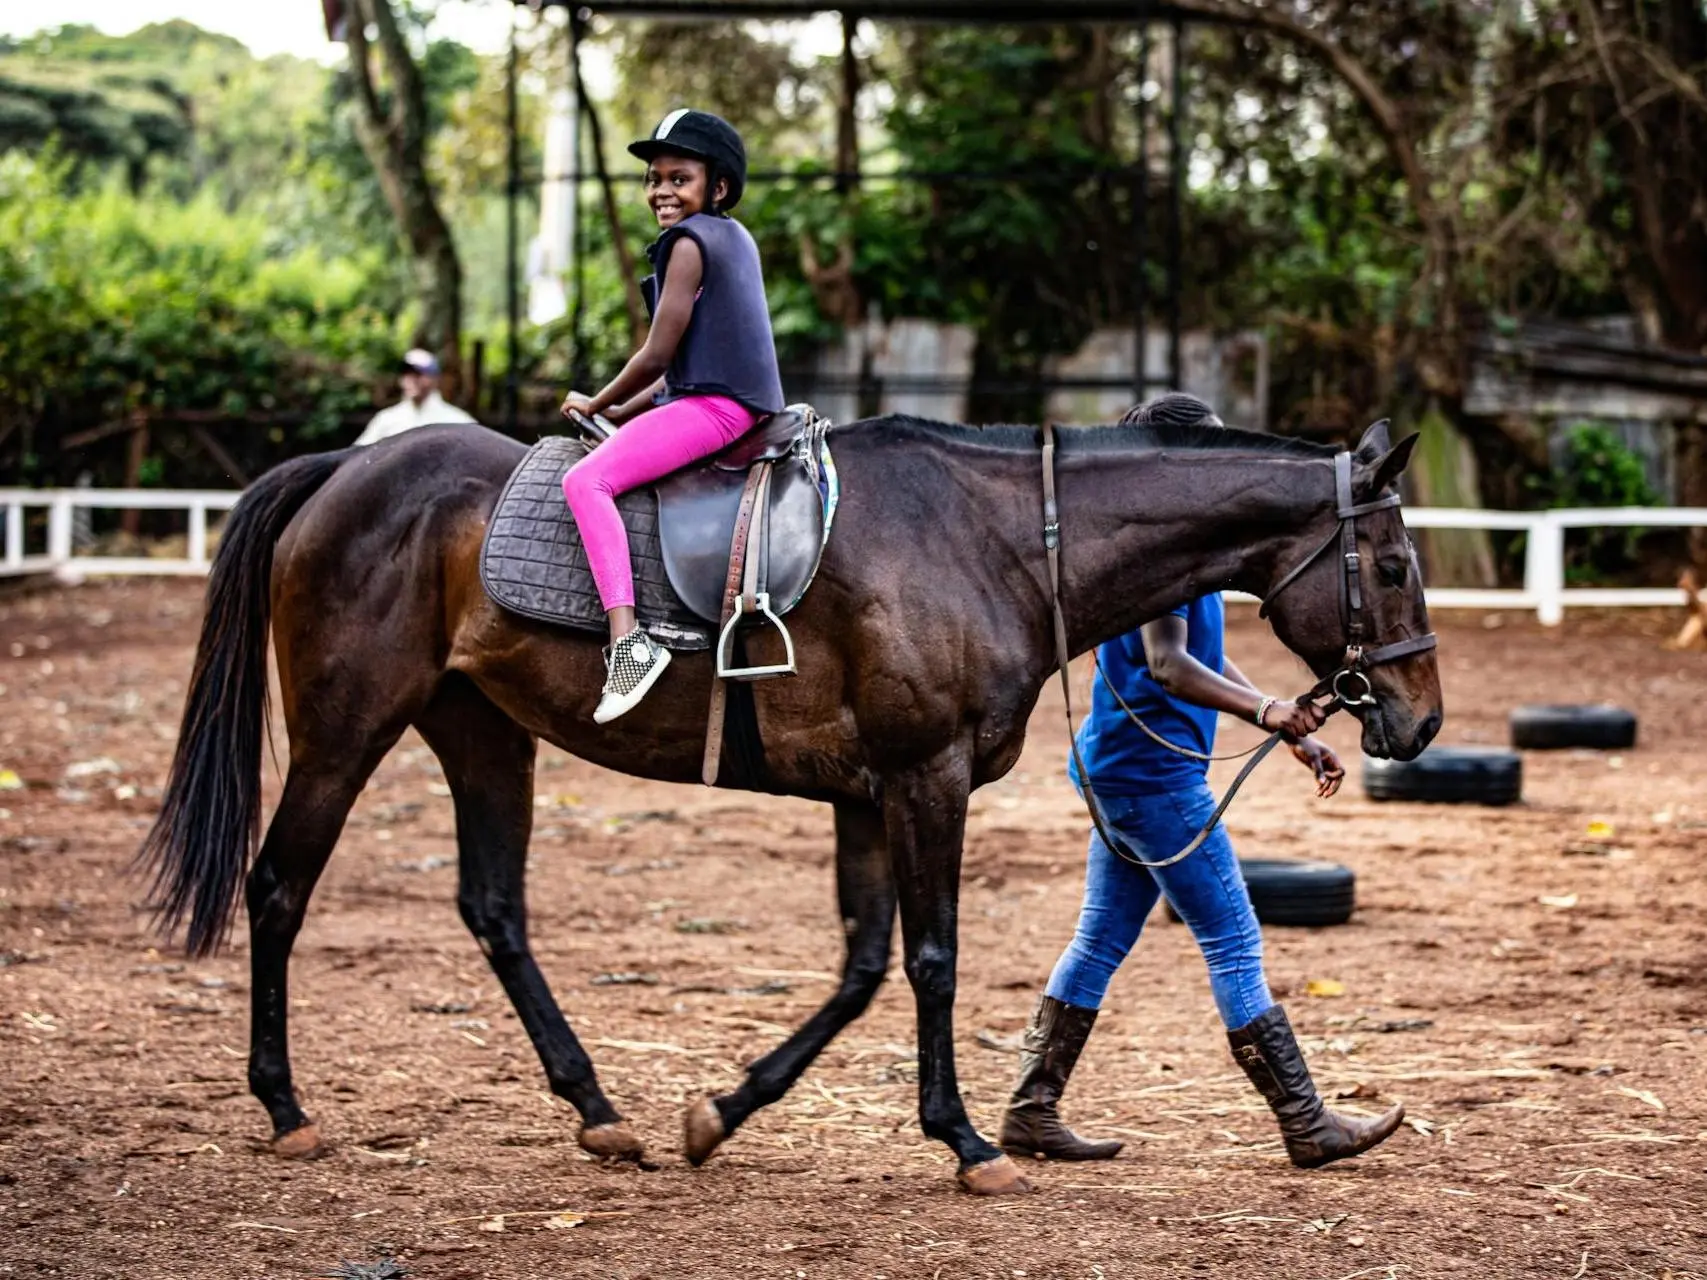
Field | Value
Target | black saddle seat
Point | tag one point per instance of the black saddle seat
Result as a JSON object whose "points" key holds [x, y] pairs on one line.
{"points": [[771, 437]]}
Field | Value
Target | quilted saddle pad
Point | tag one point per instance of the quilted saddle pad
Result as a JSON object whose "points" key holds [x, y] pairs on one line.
{"points": [[533, 562]]}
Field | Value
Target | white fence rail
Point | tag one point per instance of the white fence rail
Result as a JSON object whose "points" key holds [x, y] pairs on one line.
{"points": [[61, 559], [1543, 590]]}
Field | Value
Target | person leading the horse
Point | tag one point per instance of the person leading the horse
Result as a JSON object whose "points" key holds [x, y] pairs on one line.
{"points": [[705, 376], [1175, 677]]}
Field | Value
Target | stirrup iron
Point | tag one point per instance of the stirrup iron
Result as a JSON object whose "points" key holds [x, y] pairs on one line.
{"points": [[761, 608]]}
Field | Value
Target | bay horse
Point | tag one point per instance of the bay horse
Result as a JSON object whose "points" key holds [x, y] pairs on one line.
{"points": [[923, 645]]}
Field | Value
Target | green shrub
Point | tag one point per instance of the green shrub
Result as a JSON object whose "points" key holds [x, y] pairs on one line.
{"points": [[1599, 470], [116, 303]]}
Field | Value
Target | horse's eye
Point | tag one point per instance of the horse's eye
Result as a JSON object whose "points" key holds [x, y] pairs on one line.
{"points": [[1392, 572]]}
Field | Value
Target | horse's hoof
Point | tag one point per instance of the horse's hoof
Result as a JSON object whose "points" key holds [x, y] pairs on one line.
{"points": [[614, 1141], [998, 1177], [703, 1132], [300, 1144]]}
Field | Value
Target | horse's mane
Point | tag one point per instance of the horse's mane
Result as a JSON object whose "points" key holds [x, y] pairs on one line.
{"points": [[1117, 437]]}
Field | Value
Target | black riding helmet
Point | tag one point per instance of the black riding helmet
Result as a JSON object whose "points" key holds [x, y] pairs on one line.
{"points": [[706, 137]]}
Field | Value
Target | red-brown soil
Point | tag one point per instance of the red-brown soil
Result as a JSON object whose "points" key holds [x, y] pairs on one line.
{"points": [[1554, 987]]}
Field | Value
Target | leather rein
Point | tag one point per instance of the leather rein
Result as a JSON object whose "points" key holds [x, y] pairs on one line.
{"points": [[1343, 683]]}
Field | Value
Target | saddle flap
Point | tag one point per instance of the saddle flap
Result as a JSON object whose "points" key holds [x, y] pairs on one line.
{"points": [[696, 523]]}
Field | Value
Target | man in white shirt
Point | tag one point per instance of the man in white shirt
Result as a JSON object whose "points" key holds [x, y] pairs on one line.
{"points": [[421, 406]]}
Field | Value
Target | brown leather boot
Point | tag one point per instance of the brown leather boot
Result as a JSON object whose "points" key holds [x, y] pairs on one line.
{"points": [[1032, 1125], [1269, 1054]]}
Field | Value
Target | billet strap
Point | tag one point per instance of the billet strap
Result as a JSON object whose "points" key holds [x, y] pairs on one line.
{"points": [[731, 596]]}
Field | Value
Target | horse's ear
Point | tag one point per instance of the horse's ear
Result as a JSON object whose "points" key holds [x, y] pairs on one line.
{"points": [[1376, 441], [1385, 469]]}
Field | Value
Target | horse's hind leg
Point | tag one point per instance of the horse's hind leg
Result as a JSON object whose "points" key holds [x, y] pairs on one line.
{"points": [[317, 798], [488, 762], [865, 890]]}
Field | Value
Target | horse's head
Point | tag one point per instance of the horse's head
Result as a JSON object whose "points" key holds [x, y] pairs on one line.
{"points": [[1363, 615]]}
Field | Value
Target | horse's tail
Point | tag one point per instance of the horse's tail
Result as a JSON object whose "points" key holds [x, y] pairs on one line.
{"points": [[210, 818]]}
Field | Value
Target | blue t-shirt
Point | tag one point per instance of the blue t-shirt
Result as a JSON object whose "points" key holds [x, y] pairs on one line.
{"points": [[1121, 757]]}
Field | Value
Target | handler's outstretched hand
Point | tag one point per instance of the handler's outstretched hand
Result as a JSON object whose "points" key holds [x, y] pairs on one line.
{"points": [[577, 402], [1320, 757]]}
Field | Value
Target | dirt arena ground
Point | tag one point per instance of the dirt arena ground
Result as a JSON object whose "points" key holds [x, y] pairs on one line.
{"points": [[1536, 995]]}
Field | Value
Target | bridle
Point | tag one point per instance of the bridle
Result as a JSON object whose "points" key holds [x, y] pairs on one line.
{"points": [[1359, 658]]}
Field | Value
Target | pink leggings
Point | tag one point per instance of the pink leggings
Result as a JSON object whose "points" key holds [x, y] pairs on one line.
{"points": [[656, 443]]}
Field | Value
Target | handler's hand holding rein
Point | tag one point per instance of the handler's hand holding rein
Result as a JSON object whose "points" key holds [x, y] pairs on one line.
{"points": [[1293, 719]]}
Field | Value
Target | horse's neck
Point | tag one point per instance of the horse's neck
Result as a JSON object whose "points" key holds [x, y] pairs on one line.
{"points": [[1145, 534]]}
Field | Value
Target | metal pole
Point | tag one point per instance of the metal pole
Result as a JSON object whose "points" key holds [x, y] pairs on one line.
{"points": [[512, 241], [578, 308], [1140, 201], [1176, 213]]}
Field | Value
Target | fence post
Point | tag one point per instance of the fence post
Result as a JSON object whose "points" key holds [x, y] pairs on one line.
{"points": [[1544, 568], [14, 533], [59, 530], [198, 533]]}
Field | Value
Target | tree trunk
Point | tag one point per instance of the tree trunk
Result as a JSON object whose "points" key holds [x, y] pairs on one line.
{"points": [[847, 121], [833, 286], [393, 135]]}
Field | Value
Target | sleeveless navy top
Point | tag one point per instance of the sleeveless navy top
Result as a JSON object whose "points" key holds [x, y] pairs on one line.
{"points": [[727, 349]]}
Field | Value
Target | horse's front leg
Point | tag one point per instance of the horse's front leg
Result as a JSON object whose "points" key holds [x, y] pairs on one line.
{"points": [[865, 891], [924, 812]]}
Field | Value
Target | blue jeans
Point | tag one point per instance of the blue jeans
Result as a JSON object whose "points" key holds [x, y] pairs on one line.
{"points": [[1206, 890]]}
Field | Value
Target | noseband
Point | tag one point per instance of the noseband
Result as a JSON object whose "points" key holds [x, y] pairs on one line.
{"points": [[1341, 684]]}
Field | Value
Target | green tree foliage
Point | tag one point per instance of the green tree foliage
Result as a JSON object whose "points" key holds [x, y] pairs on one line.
{"points": [[117, 303]]}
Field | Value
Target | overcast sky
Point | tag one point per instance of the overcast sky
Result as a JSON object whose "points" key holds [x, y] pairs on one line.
{"points": [[266, 26]]}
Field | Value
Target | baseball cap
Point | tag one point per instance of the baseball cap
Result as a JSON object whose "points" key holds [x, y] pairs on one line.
{"points": [[418, 360]]}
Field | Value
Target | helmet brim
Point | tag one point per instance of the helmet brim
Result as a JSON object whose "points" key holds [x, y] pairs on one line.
{"points": [[649, 149]]}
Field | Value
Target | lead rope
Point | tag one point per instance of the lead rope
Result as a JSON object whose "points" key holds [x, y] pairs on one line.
{"points": [[1119, 846], [1155, 737]]}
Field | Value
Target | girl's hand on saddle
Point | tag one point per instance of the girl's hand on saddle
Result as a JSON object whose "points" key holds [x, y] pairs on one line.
{"points": [[575, 402], [1293, 721], [1323, 762]]}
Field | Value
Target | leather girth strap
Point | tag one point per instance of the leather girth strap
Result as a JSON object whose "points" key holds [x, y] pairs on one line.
{"points": [[755, 496]]}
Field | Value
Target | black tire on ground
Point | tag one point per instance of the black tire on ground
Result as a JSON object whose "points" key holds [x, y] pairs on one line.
{"points": [[1448, 775], [1310, 894], [1550, 728]]}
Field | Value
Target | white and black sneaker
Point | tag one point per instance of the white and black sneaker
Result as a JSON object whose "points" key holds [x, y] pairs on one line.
{"points": [[632, 666]]}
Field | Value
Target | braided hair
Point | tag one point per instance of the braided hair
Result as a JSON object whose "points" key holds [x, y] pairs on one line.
{"points": [[1173, 409]]}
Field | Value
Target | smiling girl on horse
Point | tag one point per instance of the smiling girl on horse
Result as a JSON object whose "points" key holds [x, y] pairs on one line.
{"points": [[1173, 676], [705, 376]]}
